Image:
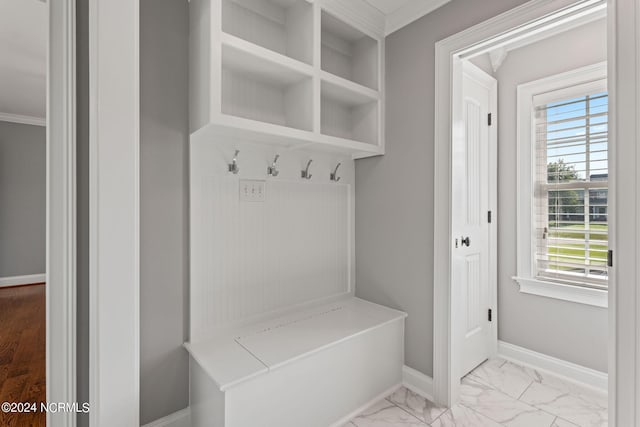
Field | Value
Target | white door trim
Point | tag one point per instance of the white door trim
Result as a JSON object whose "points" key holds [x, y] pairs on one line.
{"points": [[61, 211], [114, 350], [533, 16], [624, 232]]}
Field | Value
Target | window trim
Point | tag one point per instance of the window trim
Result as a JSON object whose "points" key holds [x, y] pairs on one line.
{"points": [[526, 278]]}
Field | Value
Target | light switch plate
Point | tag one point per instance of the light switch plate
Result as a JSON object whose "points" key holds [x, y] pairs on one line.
{"points": [[252, 190]]}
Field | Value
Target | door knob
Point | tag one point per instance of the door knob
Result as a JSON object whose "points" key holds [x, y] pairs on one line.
{"points": [[466, 241]]}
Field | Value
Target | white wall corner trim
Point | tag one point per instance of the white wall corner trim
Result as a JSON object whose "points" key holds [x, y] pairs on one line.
{"points": [[61, 211], [27, 279], [417, 382], [577, 294], [114, 213], [25, 120], [181, 418], [411, 11], [561, 368]]}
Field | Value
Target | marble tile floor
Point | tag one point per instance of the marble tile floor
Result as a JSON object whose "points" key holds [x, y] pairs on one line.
{"points": [[497, 393]]}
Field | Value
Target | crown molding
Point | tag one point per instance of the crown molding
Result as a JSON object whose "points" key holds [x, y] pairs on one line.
{"points": [[25, 120], [360, 13], [410, 12]]}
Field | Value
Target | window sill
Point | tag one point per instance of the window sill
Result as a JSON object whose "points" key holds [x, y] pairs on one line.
{"points": [[577, 294]]}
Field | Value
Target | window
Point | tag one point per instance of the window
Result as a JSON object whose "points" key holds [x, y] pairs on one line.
{"points": [[563, 161], [571, 190]]}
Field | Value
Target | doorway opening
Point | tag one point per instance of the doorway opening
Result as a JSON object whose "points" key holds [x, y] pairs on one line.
{"points": [[466, 310]]}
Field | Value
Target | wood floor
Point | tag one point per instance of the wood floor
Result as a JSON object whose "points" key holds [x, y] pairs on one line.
{"points": [[22, 352]]}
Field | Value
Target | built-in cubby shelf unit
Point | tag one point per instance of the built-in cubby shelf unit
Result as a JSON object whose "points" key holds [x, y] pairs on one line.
{"points": [[294, 73]]}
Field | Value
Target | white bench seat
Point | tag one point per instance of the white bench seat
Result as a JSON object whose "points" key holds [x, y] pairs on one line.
{"points": [[351, 345]]}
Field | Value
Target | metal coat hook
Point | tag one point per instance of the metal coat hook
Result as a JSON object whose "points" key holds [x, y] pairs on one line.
{"points": [[305, 173], [271, 170], [233, 166], [333, 175]]}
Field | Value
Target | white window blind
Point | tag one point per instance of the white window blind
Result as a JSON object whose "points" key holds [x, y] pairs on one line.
{"points": [[571, 190]]}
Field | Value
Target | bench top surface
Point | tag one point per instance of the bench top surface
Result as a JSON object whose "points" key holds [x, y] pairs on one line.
{"points": [[252, 350]]}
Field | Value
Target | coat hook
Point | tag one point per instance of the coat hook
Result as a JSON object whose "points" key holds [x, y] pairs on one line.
{"points": [[305, 173], [233, 166], [271, 170], [333, 175]]}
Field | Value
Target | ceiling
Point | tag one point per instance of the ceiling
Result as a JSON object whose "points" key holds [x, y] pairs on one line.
{"points": [[399, 13], [23, 58], [387, 7]]}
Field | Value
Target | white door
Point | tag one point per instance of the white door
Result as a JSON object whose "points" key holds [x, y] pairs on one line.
{"points": [[474, 192]]}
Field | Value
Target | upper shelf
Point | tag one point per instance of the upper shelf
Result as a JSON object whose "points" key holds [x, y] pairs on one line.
{"points": [[263, 64], [265, 75]]}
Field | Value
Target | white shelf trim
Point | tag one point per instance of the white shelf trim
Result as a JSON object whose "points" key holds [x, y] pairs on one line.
{"points": [[358, 92], [263, 54]]}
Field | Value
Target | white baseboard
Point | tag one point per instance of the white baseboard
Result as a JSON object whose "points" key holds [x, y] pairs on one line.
{"points": [[417, 382], [561, 368], [25, 120], [342, 421], [181, 418], [22, 280]]}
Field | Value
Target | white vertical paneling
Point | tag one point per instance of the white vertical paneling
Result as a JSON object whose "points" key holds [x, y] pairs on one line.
{"points": [[365, 62], [261, 22], [348, 52], [299, 19], [282, 27], [472, 135], [359, 123], [298, 105], [251, 98], [253, 258]]}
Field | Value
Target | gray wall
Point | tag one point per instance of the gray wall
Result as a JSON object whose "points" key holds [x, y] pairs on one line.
{"points": [[574, 332], [23, 201], [394, 197], [164, 367]]}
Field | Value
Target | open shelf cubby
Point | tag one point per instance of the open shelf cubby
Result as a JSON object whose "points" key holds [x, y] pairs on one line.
{"points": [[349, 53], [265, 91], [348, 114], [284, 26]]}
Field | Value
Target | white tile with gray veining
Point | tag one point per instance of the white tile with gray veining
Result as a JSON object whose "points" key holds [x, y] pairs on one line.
{"points": [[500, 407], [461, 416], [583, 407], [497, 393], [559, 422], [385, 413], [509, 378], [417, 405]]}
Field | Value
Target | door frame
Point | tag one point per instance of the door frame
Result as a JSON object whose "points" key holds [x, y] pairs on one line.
{"points": [[533, 16], [114, 213], [61, 211], [457, 116]]}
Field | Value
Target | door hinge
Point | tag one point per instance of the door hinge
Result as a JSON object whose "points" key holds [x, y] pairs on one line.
{"points": [[489, 119], [490, 315], [610, 258], [489, 217]]}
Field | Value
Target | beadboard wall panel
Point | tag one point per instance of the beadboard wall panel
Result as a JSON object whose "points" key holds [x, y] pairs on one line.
{"points": [[249, 259]]}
